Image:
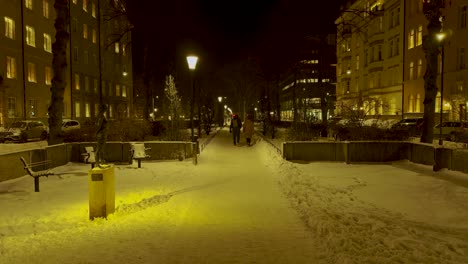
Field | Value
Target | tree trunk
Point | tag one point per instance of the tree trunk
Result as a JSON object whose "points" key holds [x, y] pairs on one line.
{"points": [[59, 65], [431, 49]]}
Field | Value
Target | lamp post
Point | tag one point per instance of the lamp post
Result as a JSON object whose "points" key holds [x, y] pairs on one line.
{"points": [[192, 64], [220, 114], [440, 37]]}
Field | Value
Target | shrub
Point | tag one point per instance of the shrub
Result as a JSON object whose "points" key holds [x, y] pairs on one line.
{"points": [[304, 132]]}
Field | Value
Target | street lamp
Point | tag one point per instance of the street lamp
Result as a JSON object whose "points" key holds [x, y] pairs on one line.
{"points": [[221, 112], [440, 37], [192, 64]]}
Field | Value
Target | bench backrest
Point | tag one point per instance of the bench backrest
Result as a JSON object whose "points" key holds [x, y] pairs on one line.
{"points": [[27, 168], [138, 150]]}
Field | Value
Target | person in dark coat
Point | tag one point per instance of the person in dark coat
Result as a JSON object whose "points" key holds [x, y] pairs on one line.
{"points": [[248, 129], [235, 128]]}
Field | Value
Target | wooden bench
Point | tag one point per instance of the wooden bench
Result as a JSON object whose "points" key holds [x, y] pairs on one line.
{"points": [[138, 152], [89, 156], [36, 174]]}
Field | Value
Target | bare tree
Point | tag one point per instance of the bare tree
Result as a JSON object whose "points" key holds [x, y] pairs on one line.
{"points": [[431, 47], [59, 65], [174, 106]]}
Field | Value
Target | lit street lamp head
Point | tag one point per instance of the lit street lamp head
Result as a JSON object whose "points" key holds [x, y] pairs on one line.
{"points": [[192, 62], [440, 36]]}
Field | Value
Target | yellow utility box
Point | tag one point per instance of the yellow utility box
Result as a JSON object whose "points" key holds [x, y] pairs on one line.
{"points": [[101, 183]]}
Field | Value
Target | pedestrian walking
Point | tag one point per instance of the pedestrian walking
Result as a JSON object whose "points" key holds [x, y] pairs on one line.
{"points": [[248, 129], [235, 128]]}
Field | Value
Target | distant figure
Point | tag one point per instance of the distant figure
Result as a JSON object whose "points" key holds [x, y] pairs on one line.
{"points": [[235, 128], [101, 134], [248, 128]]}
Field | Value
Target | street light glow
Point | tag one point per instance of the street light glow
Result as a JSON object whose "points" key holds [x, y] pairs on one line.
{"points": [[440, 36], [220, 99], [192, 62]]}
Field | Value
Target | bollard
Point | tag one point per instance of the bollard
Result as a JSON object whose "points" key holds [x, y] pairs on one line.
{"points": [[101, 183]]}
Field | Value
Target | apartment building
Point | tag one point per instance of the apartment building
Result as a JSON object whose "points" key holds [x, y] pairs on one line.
{"points": [[401, 85], [26, 61], [370, 58], [310, 80]]}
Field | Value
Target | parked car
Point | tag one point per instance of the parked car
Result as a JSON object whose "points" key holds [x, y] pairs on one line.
{"points": [[449, 129], [26, 130], [68, 124], [412, 125]]}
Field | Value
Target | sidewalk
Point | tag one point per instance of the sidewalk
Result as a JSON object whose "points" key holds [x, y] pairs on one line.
{"points": [[240, 204]]}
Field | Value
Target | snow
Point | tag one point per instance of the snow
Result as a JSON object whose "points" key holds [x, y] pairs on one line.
{"points": [[241, 204]]}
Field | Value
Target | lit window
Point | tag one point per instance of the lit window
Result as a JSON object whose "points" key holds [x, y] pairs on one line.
{"points": [[93, 9], [419, 68], [419, 36], [411, 39], [94, 35], [28, 4], [45, 8], [30, 36], [411, 70], [117, 47], [47, 43], [9, 28], [85, 5], [111, 111], [124, 49], [77, 109], [48, 75], [31, 72], [85, 31], [87, 110], [77, 81], [124, 91], [10, 67]]}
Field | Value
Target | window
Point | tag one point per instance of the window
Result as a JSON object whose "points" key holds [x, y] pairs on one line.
{"points": [[390, 20], [117, 90], [111, 111], [419, 36], [32, 107], [379, 53], [77, 109], [30, 36], [85, 57], [390, 48], [86, 83], [357, 62], [28, 4], [47, 43], [45, 8], [411, 104], [124, 91], [396, 21], [411, 70], [10, 67], [74, 25], [94, 35], [87, 110], [11, 107], [117, 47], [95, 85], [462, 17], [396, 46], [96, 109], [419, 68], [9, 28], [48, 75], [77, 81], [85, 5], [411, 39], [124, 49], [461, 58], [31, 72], [75, 54], [85, 31], [418, 103], [93, 9]]}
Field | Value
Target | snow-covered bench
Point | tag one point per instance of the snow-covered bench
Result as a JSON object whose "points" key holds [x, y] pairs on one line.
{"points": [[36, 174], [89, 156], [138, 152]]}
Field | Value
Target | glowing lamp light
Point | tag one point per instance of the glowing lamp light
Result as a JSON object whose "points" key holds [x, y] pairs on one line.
{"points": [[220, 99], [440, 36], [192, 62], [225, 106], [124, 73]]}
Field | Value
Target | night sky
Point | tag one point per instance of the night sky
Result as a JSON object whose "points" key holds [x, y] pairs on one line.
{"points": [[223, 31]]}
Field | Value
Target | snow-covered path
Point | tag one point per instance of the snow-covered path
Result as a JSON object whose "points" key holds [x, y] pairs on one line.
{"points": [[241, 204]]}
